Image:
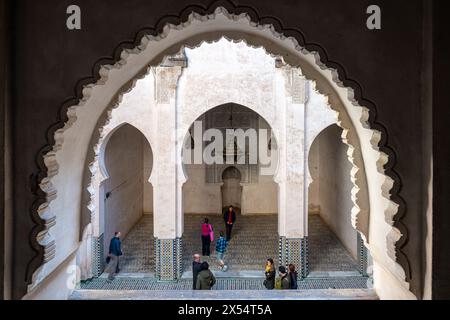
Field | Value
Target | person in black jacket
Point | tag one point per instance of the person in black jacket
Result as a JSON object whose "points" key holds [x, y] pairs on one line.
{"points": [[229, 218], [196, 268], [270, 273], [114, 254], [293, 275]]}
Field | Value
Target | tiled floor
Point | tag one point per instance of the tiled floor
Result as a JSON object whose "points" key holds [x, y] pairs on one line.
{"points": [[138, 248], [326, 252], [149, 283], [254, 240]]}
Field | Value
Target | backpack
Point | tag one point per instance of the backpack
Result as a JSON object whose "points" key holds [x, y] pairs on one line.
{"points": [[278, 283]]}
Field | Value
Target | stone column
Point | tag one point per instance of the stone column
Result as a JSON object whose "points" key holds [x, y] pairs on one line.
{"points": [[168, 255], [292, 228]]}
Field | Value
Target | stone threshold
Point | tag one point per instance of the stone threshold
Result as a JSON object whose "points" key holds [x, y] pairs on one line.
{"points": [[327, 294]]}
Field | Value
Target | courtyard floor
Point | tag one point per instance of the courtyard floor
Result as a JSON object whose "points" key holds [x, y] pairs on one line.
{"points": [[333, 272], [254, 239]]}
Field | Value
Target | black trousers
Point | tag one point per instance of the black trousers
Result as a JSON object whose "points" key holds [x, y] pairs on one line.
{"points": [[206, 245], [229, 227]]}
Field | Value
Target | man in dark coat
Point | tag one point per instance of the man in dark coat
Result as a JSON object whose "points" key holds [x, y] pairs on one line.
{"points": [[196, 268], [229, 218], [115, 252]]}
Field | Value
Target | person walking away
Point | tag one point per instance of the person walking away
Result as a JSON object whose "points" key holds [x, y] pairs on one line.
{"points": [[205, 278], [114, 254], [196, 268], [221, 248], [207, 236], [270, 273], [230, 219], [293, 275], [282, 281]]}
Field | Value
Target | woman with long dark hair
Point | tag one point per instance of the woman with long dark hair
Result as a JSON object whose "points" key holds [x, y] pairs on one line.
{"points": [[270, 274]]}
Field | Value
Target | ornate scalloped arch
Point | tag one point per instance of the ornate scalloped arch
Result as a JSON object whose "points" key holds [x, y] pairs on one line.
{"points": [[366, 138]]}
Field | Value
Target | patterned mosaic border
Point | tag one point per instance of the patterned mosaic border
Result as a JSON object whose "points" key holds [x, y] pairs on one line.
{"points": [[294, 251], [362, 256], [168, 259], [98, 252]]}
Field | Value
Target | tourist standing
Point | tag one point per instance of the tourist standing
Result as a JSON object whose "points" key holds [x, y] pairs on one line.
{"points": [[293, 276], [221, 248], [230, 219], [270, 273], [114, 254], [207, 237], [196, 268], [205, 278], [282, 281]]}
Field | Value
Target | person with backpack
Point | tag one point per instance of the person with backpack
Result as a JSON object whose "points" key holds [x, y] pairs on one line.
{"points": [[207, 237], [293, 276], [205, 278], [282, 281]]}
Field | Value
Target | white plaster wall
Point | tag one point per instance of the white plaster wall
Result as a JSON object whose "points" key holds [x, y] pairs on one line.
{"points": [[198, 196], [332, 186], [147, 186], [261, 197], [124, 163], [225, 72]]}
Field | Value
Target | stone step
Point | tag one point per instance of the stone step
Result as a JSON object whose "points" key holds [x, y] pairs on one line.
{"points": [[327, 294]]}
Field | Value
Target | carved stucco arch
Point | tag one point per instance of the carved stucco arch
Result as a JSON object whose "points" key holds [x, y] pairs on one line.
{"points": [[119, 74], [210, 106], [99, 172]]}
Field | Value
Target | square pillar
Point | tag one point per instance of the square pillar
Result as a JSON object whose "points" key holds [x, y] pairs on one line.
{"points": [[165, 180]]}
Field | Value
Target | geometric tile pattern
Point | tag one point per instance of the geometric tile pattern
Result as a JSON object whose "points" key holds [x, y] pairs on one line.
{"points": [[221, 284], [98, 261], [255, 238], [294, 251], [305, 255], [139, 248], [325, 251], [362, 256], [168, 257]]}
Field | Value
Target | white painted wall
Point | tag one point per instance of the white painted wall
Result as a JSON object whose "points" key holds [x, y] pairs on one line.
{"points": [[124, 163], [198, 196], [261, 197], [331, 187], [147, 186]]}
